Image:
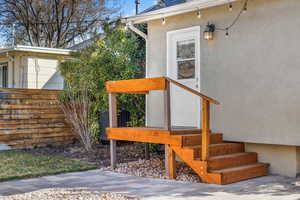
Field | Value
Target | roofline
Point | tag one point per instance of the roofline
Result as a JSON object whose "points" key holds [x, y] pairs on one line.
{"points": [[37, 50], [175, 10]]}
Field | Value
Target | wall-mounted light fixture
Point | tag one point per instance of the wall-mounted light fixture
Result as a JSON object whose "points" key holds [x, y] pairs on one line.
{"points": [[208, 34], [163, 21], [199, 15]]}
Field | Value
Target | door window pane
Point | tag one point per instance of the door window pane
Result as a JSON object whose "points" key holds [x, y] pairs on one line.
{"points": [[186, 59], [186, 69], [186, 49]]}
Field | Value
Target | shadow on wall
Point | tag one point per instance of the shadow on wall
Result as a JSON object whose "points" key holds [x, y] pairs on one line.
{"points": [[55, 82]]}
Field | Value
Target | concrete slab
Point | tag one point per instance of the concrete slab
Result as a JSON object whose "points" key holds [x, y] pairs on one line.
{"points": [[269, 187]]}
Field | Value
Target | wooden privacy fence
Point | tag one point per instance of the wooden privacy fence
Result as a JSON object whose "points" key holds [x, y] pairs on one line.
{"points": [[32, 117]]}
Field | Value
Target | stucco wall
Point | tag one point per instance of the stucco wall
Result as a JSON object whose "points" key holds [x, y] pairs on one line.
{"points": [[255, 73], [283, 159]]}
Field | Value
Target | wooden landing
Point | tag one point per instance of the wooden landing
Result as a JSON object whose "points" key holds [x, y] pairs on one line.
{"points": [[178, 136], [228, 162]]}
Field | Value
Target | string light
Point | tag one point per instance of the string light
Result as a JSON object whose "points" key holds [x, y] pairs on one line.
{"points": [[227, 33], [163, 22], [245, 7], [230, 7], [199, 15], [243, 10]]}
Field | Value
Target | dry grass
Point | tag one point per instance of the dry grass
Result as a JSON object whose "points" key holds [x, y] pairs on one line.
{"points": [[17, 164]]}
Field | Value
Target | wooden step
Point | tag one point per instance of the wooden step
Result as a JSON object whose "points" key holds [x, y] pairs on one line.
{"points": [[231, 160], [219, 149], [196, 139], [185, 131], [231, 175]]}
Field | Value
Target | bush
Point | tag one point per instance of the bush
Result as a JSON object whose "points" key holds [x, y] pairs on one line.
{"points": [[77, 109], [116, 56]]}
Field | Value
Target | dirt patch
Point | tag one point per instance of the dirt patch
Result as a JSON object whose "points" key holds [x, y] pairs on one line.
{"points": [[100, 155]]}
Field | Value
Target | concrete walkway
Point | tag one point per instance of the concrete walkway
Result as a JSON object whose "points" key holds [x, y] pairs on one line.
{"points": [[267, 188]]}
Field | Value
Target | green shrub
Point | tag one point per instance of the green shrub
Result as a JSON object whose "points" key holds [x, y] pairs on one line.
{"points": [[118, 55]]}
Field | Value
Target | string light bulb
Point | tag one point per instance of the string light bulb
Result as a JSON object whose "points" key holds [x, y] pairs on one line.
{"points": [[199, 15], [245, 7], [163, 22], [230, 7], [227, 33]]}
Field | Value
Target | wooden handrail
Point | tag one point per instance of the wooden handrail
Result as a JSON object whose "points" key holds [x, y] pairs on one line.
{"points": [[162, 83], [205, 118], [192, 91]]}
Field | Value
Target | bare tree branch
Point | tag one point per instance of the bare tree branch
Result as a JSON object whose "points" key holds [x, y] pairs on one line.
{"points": [[51, 23]]}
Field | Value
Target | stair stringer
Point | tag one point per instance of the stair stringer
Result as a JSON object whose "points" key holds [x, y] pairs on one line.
{"points": [[200, 167]]}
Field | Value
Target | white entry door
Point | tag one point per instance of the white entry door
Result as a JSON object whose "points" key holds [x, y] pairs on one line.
{"points": [[183, 66]]}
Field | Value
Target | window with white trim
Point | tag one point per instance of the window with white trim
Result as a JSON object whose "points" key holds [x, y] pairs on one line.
{"points": [[4, 75], [186, 59]]}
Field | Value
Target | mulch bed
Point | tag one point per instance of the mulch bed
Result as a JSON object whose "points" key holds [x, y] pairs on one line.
{"points": [[131, 160], [100, 155]]}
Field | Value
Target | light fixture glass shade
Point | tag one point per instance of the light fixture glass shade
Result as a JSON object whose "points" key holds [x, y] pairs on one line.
{"points": [[208, 35]]}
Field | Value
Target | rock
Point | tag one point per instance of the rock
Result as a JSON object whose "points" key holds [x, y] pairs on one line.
{"points": [[69, 194]]}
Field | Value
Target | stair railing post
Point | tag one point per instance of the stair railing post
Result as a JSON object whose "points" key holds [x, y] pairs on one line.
{"points": [[205, 126], [113, 123], [167, 106], [170, 163]]}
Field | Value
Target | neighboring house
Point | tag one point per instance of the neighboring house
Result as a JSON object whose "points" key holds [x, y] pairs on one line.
{"points": [[31, 67], [87, 43], [254, 73]]}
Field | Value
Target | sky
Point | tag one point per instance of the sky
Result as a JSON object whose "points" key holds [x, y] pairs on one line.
{"points": [[127, 7]]}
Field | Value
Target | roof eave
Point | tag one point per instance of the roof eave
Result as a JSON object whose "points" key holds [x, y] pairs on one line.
{"points": [[175, 10], [21, 48]]}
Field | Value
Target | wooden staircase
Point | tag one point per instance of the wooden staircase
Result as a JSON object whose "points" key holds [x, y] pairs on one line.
{"points": [[213, 159], [30, 117]]}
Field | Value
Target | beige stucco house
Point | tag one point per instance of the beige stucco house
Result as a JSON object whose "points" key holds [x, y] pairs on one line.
{"points": [[31, 67], [252, 68]]}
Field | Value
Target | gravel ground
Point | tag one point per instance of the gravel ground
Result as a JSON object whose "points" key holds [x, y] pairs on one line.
{"points": [[69, 194], [154, 168], [130, 158]]}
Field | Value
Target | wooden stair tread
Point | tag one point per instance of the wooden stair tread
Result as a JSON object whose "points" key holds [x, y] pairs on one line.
{"points": [[240, 168], [212, 145], [230, 155]]}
